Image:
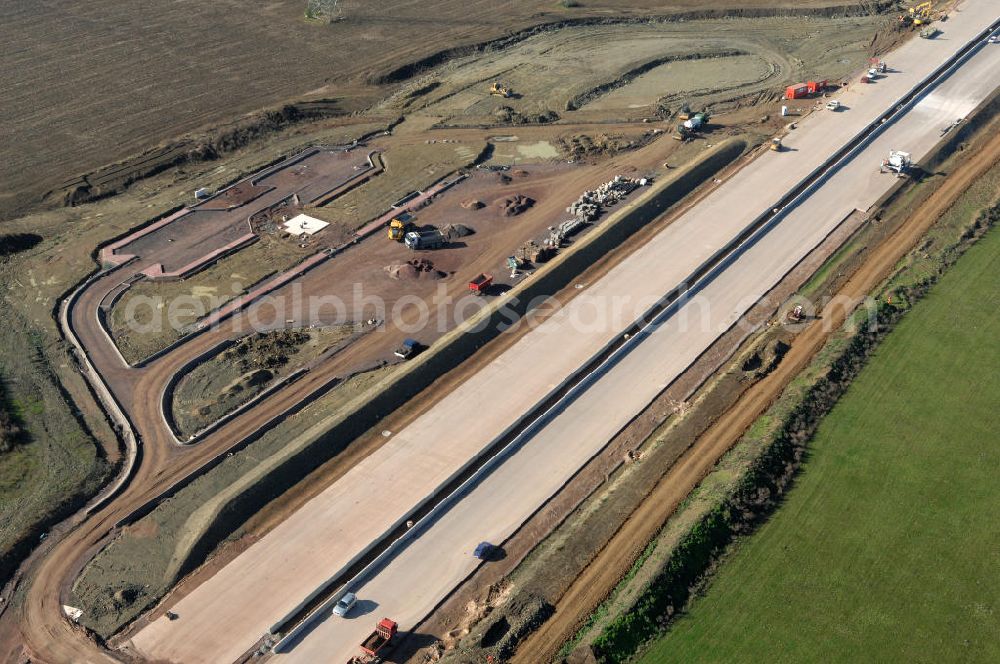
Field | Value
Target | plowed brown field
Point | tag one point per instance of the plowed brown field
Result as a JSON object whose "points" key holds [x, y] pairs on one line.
{"points": [[86, 84]]}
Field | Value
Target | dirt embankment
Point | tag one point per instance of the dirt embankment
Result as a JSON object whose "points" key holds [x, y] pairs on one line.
{"points": [[243, 370], [629, 76], [114, 179]]}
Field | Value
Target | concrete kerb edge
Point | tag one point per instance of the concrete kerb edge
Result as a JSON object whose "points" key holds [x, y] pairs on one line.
{"points": [[698, 386], [166, 394], [100, 315], [749, 236], [208, 259], [111, 406], [182, 482], [107, 399], [262, 288], [694, 388], [107, 252], [166, 397], [237, 304], [619, 464]]}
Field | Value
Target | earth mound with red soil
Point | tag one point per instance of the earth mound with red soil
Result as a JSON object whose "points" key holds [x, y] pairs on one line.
{"points": [[412, 270], [453, 231], [514, 205]]}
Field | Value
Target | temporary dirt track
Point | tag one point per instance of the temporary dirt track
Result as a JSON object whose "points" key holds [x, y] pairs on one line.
{"points": [[610, 565]]}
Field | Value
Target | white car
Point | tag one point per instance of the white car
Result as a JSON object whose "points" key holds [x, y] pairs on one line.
{"points": [[345, 604], [994, 39]]}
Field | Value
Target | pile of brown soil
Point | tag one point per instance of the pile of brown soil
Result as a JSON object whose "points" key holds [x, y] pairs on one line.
{"points": [[411, 270], [514, 205], [473, 204], [453, 231]]}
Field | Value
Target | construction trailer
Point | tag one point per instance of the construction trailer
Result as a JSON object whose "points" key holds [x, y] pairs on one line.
{"points": [[816, 87], [797, 91], [804, 90]]}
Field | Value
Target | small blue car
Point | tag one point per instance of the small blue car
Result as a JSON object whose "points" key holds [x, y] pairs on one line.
{"points": [[483, 550]]}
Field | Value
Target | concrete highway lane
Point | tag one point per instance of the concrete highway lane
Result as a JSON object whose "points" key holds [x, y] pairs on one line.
{"points": [[226, 614]]}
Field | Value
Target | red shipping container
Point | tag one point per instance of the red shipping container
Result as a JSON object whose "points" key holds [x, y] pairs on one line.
{"points": [[797, 91], [816, 86]]}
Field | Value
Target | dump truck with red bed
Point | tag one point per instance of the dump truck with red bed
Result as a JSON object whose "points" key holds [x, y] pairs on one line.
{"points": [[481, 284], [380, 638]]}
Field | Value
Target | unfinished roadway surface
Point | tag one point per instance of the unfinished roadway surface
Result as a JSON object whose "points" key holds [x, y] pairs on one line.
{"points": [[256, 589]]}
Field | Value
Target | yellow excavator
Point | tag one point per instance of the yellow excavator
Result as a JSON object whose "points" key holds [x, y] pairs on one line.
{"points": [[921, 14], [498, 89]]}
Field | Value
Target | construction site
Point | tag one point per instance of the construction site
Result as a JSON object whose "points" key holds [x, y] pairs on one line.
{"points": [[428, 381]]}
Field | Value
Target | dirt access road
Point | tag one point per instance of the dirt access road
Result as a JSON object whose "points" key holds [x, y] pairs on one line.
{"points": [[610, 565]]}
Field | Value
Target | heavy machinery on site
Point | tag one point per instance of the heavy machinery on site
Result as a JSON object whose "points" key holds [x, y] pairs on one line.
{"points": [[796, 314], [691, 126], [776, 145], [400, 226], [921, 13], [407, 349], [898, 162], [480, 285], [498, 89], [376, 642], [417, 240], [929, 32]]}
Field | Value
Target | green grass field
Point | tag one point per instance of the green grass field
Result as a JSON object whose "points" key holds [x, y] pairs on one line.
{"points": [[887, 549]]}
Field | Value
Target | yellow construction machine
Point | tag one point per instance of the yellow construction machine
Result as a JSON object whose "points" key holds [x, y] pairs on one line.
{"points": [[921, 14], [399, 226], [498, 89]]}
